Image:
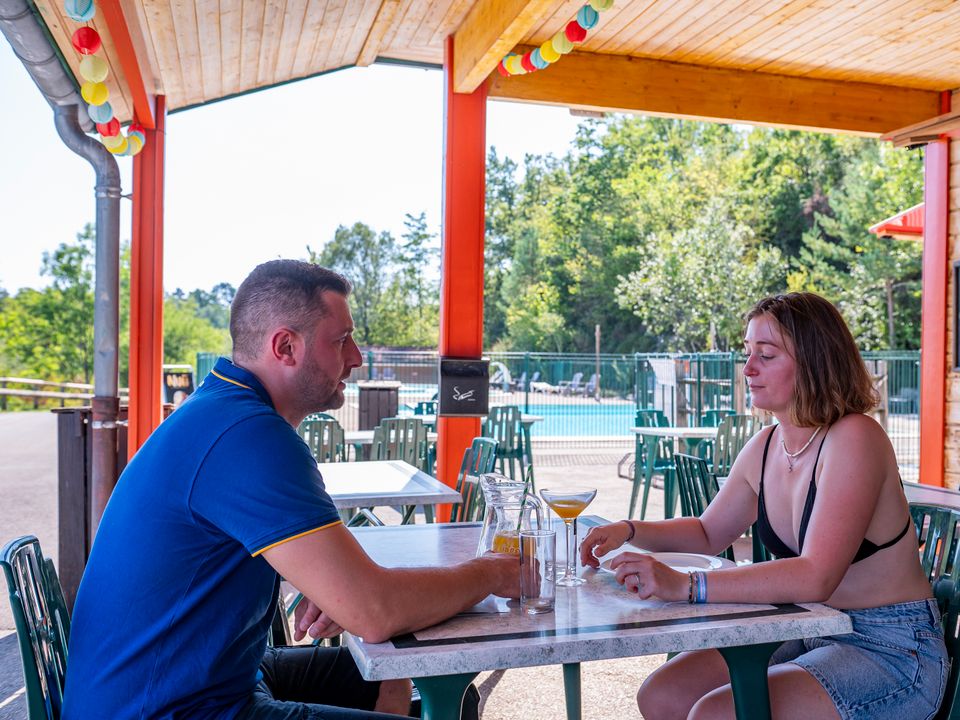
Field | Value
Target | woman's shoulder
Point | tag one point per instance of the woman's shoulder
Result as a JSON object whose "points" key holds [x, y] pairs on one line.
{"points": [[861, 440], [857, 426]]}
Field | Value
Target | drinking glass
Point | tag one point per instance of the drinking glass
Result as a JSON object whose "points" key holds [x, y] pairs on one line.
{"points": [[568, 504], [538, 560]]}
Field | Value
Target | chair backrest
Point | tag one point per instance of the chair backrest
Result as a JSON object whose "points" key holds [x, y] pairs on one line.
{"points": [[479, 458], [535, 377], [712, 418], [648, 417], [401, 439], [325, 439], [426, 407], [732, 434], [575, 380], [503, 425], [697, 487], [591, 387], [43, 625]]}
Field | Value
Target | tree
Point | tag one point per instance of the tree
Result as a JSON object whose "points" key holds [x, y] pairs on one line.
{"points": [[693, 286], [367, 260]]}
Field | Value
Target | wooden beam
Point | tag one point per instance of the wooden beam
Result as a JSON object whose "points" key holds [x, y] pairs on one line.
{"points": [[489, 31], [382, 23], [143, 99], [591, 81]]}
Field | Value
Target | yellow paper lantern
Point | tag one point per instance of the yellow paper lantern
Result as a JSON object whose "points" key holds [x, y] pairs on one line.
{"points": [[120, 148], [548, 52], [93, 68], [513, 65], [135, 145], [561, 43], [95, 93], [111, 141]]}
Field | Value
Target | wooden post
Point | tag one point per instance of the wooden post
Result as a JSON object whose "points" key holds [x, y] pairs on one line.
{"points": [[461, 274], [146, 284], [933, 325]]}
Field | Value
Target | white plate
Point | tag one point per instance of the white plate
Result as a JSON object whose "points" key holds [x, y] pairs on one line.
{"points": [[682, 562]]}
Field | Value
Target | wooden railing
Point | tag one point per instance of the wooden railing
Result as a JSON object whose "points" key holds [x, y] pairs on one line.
{"points": [[81, 392]]}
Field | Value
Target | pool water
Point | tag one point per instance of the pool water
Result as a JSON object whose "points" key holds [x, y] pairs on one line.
{"points": [[582, 419]]}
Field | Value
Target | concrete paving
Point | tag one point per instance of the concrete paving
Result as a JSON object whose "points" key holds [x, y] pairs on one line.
{"points": [[28, 486]]}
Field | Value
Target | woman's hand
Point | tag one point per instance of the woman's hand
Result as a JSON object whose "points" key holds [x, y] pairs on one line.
{"points": [[602, 539], [311, 620], [647, 577]]}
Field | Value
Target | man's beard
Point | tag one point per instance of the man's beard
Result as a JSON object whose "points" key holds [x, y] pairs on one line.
{"points": [[318, 391]]}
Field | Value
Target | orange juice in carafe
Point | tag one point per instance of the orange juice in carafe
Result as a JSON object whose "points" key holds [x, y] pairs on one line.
{"points": [[509, 509]]}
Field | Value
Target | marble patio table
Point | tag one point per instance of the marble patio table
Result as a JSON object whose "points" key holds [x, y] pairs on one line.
{"points": [[931, 495], [690, 437], [597, 621], [354, 485]]}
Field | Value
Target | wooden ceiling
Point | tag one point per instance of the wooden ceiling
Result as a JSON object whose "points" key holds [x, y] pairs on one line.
{"points": [[867, 67]]}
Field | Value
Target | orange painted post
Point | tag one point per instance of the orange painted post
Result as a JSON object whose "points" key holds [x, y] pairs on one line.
{"points": [[146, 285], [933, 325], [461, 270]]}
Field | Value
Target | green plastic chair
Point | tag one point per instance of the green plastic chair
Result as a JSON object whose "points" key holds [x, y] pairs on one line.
{"points": [[402, 439], [937, 531], [479, 458], [43, 625], [732, 434], [712, 418], [325, 439], [426, 407], [503, 425], [662, 463], [697, 488]]}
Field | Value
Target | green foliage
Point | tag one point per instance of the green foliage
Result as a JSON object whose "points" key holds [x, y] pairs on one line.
{"points": [[186, 331], [395, 298]]}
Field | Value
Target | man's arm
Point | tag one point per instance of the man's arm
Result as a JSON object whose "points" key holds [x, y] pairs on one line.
{"points": [[377, 603]]}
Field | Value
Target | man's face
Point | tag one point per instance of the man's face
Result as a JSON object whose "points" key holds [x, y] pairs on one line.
{"points": [[331, 354]]}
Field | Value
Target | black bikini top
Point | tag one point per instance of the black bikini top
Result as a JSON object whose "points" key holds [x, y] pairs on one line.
{"points": [[772, 541]]}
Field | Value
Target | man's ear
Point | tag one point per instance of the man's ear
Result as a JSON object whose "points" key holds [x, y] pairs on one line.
{"points": [[286, 346]]}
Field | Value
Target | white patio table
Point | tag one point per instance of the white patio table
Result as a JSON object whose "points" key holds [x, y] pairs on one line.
{"points": [[597, 621], [354, 485], [690, 437]]}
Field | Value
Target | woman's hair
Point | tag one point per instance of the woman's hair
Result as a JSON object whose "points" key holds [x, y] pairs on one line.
{"points": [[832, 380]]}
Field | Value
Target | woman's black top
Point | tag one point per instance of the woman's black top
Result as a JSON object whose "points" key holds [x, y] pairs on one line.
{"points": [[772, 541]]}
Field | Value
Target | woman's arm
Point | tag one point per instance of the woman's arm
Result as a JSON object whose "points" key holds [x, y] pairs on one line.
{"points": [[856, 460]]}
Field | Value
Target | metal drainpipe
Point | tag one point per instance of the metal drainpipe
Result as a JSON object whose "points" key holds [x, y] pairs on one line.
{"points": [[27, 35], [106, 315]]}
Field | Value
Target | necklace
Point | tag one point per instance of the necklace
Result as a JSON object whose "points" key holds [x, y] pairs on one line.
{"points": [[792, 456]]}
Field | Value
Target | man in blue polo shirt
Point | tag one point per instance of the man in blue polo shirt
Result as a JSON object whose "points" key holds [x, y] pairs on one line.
{"points": [[172, 613]]}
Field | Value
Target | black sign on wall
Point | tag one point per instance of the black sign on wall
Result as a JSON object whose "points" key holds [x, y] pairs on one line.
{"points": [[464, 387], [177, 383]]}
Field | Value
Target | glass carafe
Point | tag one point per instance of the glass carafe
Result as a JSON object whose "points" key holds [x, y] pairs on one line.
{"points": [[508, 511]]}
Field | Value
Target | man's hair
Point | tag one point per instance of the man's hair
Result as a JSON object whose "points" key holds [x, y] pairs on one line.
{"points": [[280, 292], [832, 380]]}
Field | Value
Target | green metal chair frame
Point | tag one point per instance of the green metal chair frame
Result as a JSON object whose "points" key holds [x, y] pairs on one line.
{"points": [[504, 425], [325, 439], [42, 622], [938, 534], [733, 432], [402, 438], [663, 463], [698, 487], [479, 458], [712, 418]]}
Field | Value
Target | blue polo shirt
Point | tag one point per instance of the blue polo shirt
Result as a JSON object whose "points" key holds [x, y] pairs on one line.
{"points": [[172, 613]]}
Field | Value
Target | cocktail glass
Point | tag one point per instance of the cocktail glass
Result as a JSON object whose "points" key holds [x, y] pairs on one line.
{"points": [[568, 504]]}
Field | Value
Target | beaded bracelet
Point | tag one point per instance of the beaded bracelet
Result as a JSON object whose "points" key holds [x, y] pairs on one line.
{"points": [[690, 590], [633, 530]]}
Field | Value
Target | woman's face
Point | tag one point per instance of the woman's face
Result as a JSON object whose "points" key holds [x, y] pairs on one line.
{"points": [[770, 370]]}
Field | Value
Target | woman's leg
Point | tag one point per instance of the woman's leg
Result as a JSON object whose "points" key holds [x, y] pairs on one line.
{"points": [[675, 687], [794, 695]]}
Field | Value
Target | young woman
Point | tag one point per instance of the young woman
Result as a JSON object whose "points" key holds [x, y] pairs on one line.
{"points": [[824, 486]]}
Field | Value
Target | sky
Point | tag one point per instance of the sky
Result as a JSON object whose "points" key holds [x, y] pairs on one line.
{"points": [[256, 177]]}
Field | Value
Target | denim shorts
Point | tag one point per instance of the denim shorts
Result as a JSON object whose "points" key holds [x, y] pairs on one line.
{"points": [[893, 665]]}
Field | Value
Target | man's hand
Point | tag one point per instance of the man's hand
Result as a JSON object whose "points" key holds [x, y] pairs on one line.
{"points": [[311, 620], [504, 569]]}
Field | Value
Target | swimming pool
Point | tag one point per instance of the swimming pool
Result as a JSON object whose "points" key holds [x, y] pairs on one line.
{"points": [[586, 418]]}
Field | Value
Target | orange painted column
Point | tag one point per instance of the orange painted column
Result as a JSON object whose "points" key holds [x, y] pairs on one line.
{"points": [[933, 325], [146, 285], [461, 267]]}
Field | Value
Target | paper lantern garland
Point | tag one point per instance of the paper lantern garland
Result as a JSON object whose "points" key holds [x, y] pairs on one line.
{"points": [[560, 44], [94, 70]]}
